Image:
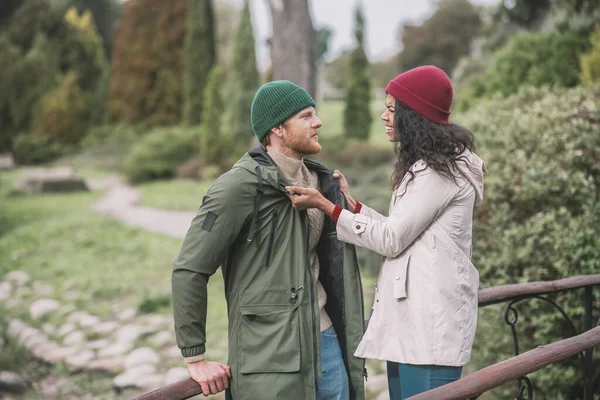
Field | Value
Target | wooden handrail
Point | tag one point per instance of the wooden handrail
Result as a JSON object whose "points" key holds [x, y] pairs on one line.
{"points": [[175, 391], [516, 367], [500, 294]]}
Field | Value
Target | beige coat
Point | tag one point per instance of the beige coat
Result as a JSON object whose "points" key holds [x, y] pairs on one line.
{"points": [[425, 306]]}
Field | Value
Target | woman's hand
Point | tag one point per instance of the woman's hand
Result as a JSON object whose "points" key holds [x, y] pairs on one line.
{"points": [[305, 198], [337, 174]]}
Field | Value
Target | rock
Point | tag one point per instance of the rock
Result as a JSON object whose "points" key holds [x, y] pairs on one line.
{"points": [[42, 307], [27, 333], [130, 333], [130, 377], [162, 339], [75, 316], [116, 350], [34, 341], [44, 348], [65, 329], [74, 338], [5, 290], [7, 161], [176, 375], [19, 278], [112, 365], [58, 354], [98, 344], [77, 361], [142, 355], [88, 321], [105, 328], [127, 315], [15, 327], [49, 329], [150, 382], [48, 180], [13, 383]]}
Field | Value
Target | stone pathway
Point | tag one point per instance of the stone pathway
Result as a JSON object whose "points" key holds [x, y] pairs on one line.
{"points": [[135, 349]]}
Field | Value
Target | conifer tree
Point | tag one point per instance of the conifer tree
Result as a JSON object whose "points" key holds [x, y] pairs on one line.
{"points": [[213, 142], [147, 63], [200, 56], [243, 82], [357, 112]]}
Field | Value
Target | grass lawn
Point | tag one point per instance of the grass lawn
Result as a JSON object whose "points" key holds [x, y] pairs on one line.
{"points": [[56, 239], [177, 194]]}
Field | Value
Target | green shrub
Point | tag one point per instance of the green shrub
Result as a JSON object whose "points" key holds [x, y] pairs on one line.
{"points": [[158, 154], [63, 114], [529, 59], [540, 219], [590, 62], [29, 149], [340, 152], [153, 302]]}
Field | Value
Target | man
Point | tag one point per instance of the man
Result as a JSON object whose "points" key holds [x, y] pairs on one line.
{"points": [[293, 290]]}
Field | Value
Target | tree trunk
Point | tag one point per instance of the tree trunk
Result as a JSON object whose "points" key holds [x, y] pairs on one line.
{"points": [[293, 43]]}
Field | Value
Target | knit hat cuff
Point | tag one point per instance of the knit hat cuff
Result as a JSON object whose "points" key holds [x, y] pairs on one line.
{"points": [[418, 104], [289, 105]]}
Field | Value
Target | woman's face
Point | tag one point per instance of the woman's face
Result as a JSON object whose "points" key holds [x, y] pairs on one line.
{"points": [[388, 116]]}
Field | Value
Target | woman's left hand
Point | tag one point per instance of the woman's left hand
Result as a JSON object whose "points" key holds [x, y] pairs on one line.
{"points": [[305, 198]]}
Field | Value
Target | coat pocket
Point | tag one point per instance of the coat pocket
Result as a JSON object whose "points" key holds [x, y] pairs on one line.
{"points": [[269, 334], [400, 279]]}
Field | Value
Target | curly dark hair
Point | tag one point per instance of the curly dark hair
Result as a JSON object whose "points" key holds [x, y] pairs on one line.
{"points": [[417, 138]]}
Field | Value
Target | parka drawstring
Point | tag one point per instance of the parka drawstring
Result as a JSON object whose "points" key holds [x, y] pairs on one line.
{"points": [[259, 193]]}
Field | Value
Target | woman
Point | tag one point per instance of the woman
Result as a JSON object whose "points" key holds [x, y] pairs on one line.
{"points": [[425, 307]]}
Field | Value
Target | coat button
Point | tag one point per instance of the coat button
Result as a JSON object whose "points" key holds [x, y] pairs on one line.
{"points": [[397, 278], [357, 226]]}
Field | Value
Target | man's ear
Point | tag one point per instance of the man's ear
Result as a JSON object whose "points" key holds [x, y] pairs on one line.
{"points": [[278, 130]]}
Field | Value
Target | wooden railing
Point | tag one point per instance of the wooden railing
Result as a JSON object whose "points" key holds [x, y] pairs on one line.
{"points": [[512, 369], [493, 376]]}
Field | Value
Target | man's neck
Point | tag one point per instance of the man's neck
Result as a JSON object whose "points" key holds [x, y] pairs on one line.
{"points": [[286, 151]]}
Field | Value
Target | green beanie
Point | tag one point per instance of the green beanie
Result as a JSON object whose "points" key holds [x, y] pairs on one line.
{"points": [[274, 103]]}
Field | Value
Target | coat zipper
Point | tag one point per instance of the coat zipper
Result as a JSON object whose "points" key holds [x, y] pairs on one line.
{"points": [[271, 239], [312, 301], [362, 320]]}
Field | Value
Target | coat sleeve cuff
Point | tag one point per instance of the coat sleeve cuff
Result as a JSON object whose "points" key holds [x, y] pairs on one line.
{"points": [[193, 351], [357, 207], [336, 213]]}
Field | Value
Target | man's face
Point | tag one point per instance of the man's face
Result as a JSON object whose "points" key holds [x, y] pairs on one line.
{"points": [[300, 132]]}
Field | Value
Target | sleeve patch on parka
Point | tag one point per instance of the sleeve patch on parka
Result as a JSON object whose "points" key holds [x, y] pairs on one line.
{"points": [[209, 221]]}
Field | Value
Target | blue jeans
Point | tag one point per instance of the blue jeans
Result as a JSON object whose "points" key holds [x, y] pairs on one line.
{"points": [[405, 380], [333, 385]]}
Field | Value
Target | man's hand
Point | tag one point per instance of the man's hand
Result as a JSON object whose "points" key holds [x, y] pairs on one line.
{"points": [[213, 377]]}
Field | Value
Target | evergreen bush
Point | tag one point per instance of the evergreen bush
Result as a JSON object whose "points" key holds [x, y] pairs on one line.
{"points": [[540, 219]]}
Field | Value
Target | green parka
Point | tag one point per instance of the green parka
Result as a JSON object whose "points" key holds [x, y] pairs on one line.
{"points": [[247, 225]]}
